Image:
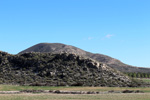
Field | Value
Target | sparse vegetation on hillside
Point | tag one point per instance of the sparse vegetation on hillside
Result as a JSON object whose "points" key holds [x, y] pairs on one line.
{"points": [[58, 70]]}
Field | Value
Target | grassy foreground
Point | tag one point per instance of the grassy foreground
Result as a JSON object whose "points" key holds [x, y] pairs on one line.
{"points": [[41, 96], [147, 80], [18, 88], [145, 96]]}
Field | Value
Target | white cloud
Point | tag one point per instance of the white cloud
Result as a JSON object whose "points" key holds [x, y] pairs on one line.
{"points": [[108, 36], [90, 38]]}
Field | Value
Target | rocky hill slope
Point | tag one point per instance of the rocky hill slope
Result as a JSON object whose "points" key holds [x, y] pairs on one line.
{"points": [[111, 62], [61, 69]]}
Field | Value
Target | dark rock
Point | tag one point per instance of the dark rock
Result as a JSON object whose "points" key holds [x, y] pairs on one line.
{"points": [[32, 91], [138, 91], [128, 91], [57, 91], [112, 91]]}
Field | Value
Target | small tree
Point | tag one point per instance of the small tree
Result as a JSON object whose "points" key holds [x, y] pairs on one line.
{"points": [[138, 75]]}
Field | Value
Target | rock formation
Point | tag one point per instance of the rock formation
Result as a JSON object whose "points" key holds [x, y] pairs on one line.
{"points": [[61, 69]]}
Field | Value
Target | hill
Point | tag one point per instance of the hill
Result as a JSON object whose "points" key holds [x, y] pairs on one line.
{"points": [[61, 69], [111, 62]]}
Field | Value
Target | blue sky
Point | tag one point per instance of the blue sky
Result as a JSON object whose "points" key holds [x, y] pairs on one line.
{"points": [[118, 28]]}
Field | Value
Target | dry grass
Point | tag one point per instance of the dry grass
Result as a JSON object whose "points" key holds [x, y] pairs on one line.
{"points": [[145, 89], [41, 96], [145, 96], [18, 88]]}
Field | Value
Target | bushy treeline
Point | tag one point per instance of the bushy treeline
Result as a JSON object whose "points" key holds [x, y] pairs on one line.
{"points": [[138, 75]]}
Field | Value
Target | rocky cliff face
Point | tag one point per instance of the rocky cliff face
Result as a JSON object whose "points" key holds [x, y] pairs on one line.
{"points": [[61, 69], [59, 48]]}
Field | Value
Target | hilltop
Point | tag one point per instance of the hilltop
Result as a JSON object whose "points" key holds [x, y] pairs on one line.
{"points": [[109, 61]]}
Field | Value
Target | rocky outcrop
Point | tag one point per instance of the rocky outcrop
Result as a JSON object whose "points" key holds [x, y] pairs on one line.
{"points": [[61, 69]]}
